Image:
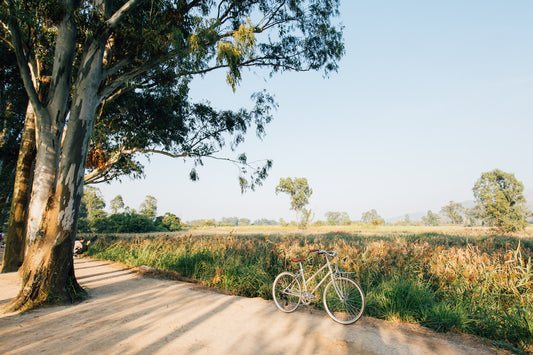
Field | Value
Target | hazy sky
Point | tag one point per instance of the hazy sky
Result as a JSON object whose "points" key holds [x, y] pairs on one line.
{"points": [[428, 96]]}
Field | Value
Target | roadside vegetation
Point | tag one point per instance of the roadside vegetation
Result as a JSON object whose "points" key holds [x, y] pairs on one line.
{"points": [[455, 279]]}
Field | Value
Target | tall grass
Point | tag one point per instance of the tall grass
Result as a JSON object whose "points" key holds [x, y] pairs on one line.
{"points": [[477, 285]]}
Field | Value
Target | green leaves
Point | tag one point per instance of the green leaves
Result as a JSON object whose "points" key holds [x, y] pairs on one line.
{"points": [[299, 191], [233, 53], [500, 198]]}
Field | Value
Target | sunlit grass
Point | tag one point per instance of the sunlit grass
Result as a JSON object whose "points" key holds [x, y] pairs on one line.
{"points": [[480, 284]]}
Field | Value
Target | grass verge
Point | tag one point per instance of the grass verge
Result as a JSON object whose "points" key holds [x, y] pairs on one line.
{"points": [[476, 285]]}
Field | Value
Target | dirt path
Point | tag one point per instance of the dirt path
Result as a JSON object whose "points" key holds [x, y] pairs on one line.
{"points": [[131, 314]]}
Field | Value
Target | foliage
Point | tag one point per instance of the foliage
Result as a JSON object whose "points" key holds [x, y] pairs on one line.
{"points": [[265, 222], [172, 222], [151, 113], [92, 203], [500, 200], [117, 204], [472, 217], [454, 212], [299, 191], [431, 219], [337, 218], [13, 103], [372, 217], [234, 221], [149, 207], [92, 52], [476, 285]]}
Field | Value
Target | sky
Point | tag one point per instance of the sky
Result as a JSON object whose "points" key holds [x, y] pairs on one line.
{"points": [[429, 95]]}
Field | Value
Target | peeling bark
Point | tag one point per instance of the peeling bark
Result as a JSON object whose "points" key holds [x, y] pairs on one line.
{"points": [[16, 233], [47, 273]]}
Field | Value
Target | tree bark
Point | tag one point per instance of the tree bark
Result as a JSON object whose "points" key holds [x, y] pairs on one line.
{"points": [[16, 233], [48, 273]]}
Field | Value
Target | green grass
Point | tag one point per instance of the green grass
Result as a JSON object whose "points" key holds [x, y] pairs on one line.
{"points": [[477, 285]]}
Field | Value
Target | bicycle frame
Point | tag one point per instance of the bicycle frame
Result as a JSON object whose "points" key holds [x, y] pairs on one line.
{"points": [[305, 281], [343, 298]]}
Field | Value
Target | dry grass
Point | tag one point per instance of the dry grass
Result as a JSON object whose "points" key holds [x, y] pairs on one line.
{"points": [[446, 278]]}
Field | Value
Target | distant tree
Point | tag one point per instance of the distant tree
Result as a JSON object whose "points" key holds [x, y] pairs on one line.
{"points": [[454, 212], [93, 202], [406, 219], [501, 202], [472, 217], [117, 204], [208, 223], [244, 221], [265, 222], [230, 221], [431, 219], [149, 207], [307, 217], [337, 218], [172, 222], [299, 191], [372, 217]]}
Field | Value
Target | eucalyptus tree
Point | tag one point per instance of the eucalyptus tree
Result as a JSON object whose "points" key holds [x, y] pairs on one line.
{"points": [[77, 56], [15, 164], [13, 101], [299, 191]]}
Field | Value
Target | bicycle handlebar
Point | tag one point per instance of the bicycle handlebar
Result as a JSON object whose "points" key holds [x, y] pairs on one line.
{"points": [[322, 251]]}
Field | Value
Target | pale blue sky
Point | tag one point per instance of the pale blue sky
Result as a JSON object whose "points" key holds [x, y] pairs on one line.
{"points": [[428, 96]]}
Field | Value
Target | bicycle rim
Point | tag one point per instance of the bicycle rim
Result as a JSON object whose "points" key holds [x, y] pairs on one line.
{"points": [[287, 291], [344, 300]]}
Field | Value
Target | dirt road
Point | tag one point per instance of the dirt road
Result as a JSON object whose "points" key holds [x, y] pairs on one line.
{"points": [[132, 314]]}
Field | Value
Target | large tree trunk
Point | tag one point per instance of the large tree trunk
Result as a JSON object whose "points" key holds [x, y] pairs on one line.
{"points": [[47, 272], [16, 233]]}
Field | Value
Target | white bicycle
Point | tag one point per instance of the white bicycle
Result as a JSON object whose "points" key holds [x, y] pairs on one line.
{"points": [[343, 298]]}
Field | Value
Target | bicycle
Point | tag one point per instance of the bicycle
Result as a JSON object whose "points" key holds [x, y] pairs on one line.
{"points": [[343, 298]]}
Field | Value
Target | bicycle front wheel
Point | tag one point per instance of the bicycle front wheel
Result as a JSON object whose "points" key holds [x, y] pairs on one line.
{"points": [[344, 300], [287, 292]]}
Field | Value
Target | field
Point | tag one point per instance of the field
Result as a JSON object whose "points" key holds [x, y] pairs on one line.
{"points": [[448, 279]]}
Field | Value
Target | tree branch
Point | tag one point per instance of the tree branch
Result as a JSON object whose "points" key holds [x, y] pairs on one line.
{"points": [[114, 20], [22, 61]]}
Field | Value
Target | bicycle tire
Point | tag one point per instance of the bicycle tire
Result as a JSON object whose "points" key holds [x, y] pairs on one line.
{"points": [[344, 300], [287, 292]]}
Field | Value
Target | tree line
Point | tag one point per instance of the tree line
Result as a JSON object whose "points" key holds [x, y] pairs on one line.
{"points": [[499, 203], [123, 219]]}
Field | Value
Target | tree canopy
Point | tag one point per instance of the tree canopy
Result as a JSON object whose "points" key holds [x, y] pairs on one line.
{"points": [[337, 218], [500, 201], [372, 217], [78, 58], [431, 219], [454, 212], [299, 191]]}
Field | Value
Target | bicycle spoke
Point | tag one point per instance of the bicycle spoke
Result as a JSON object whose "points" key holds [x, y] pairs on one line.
{"points": [[344, 301], [286, 292]]}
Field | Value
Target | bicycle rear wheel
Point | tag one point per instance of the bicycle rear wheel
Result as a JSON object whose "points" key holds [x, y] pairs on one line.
{"points": [[344, 300], [287, 292]]}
